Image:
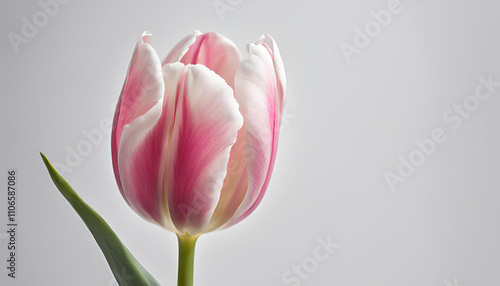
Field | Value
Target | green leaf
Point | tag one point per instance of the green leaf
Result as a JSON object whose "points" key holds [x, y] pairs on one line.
{"points": [[126, 269]]}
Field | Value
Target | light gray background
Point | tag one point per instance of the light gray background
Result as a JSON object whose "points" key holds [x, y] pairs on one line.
{"points": [[346, 125]]}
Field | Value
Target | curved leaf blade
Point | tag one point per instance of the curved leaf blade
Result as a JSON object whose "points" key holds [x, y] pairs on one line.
{"points": [[126, 269]]}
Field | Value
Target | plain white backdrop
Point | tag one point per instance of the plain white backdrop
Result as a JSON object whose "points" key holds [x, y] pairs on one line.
{"points": [[363, 88]]}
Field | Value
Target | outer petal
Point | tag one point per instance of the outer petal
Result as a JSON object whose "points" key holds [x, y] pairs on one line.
{"points": [[216, 52], [143, 152], [142, 89], [138, 164], [205, 128], [260, 87], [235, 184], [269, 43], [181, 48]]}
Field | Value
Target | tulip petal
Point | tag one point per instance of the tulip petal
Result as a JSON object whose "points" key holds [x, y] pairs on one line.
{"points": [[181, 48], [260, 87], [142, 89], [143, 152], [269, 42], [206, 125], [235, 184], [138, 167], [216, 52]]}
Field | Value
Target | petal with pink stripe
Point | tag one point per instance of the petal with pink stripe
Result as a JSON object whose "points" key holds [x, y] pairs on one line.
{"points": [[143, 154], [259, 87], [216, 52], [271, 45], [181, 48], [142, 89], [205, 128]]}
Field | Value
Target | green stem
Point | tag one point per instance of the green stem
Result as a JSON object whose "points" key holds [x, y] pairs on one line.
{"points": [[186, 259]]}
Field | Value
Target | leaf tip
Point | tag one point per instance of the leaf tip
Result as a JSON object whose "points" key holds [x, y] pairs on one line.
{"points": [[44, 158]]}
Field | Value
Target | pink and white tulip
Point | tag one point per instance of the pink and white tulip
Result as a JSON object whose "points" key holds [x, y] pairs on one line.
{"points": [[194, 137]]}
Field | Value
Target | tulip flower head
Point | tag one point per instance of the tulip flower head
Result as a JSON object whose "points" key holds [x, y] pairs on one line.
{"points": [[194, 137]]}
